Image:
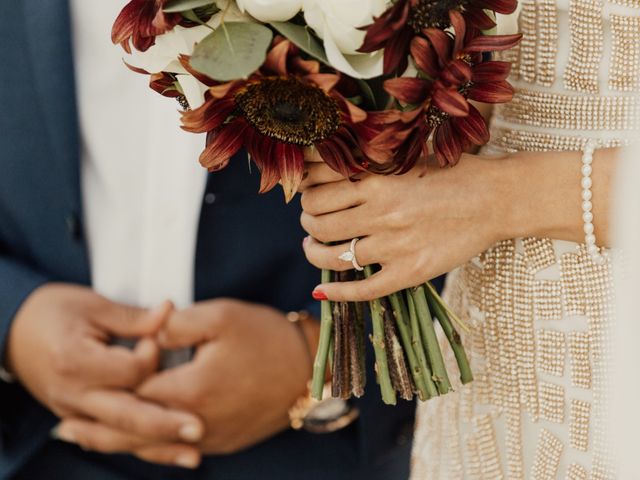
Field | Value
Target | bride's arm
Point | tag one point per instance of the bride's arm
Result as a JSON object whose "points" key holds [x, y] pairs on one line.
{"points": [[429, 221]]}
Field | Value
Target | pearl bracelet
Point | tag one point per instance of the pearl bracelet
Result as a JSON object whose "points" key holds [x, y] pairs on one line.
{"points": [[587, 205]]}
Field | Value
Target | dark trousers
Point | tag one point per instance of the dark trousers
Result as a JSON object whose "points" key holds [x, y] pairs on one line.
{"points": [[59, 461]]}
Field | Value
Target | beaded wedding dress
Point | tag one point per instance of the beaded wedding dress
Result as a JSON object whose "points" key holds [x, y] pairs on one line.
{"points": [[540, 310]]}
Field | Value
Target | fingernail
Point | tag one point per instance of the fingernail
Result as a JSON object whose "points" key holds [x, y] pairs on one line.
{"points": [[62, 435], [161, 308], [55, 432], [187, 460], [190, 432], [319, 295], [145, 349], [305, 240]]}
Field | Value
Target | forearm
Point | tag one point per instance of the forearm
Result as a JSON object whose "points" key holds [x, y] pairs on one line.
{"points": [[545, 193]]}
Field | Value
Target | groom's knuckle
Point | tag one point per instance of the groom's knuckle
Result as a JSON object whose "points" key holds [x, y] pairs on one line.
{"points": [[124, 419], [88, 442], [63, 363]]}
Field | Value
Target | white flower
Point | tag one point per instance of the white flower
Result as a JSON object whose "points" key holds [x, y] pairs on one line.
{"points": [[163, 55], [337, 23], [271, 10]]}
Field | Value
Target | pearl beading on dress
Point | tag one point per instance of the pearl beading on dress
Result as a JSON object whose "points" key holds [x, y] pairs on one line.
{"points": [[587, 205]]}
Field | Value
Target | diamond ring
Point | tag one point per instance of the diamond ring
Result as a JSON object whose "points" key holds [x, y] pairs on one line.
{"points": [[350, 255]]}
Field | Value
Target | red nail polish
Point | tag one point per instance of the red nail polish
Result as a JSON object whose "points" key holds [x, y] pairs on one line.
{"points": [[318, 295]]}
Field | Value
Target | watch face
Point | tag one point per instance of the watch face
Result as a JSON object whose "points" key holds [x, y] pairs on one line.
{"points": [[328, 410]]}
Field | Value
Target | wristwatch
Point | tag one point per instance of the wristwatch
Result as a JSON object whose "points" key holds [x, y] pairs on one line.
{"points": [[318, 416], [322, 416]]}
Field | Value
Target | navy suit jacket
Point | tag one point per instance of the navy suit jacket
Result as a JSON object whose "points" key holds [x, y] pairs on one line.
{"points": [[41, 240]]}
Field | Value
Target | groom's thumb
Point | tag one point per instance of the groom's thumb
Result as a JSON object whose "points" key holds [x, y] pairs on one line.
{"points": [[186, 328], [125, 321]]}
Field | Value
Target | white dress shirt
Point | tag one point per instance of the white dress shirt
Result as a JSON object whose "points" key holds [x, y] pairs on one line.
{"points": [[141, 181]]}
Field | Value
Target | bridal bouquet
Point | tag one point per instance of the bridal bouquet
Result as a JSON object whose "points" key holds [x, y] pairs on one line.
{"points": [[371, 85]]}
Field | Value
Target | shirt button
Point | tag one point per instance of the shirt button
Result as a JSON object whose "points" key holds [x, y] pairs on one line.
{"points": [[74, 227], [210, 198]]}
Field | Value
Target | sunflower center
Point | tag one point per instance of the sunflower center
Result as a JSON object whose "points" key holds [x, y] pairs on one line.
{"points": [[433, 13], [288, 110], [435, 117]]}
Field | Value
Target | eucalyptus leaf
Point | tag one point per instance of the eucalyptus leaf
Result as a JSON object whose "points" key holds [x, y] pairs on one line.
{"points": [[303, 39], [233, 51], [192, 16], [368, 94], [176, 6]]}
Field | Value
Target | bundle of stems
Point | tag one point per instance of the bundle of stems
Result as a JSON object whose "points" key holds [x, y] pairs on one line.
{"points": [[408, 359]]}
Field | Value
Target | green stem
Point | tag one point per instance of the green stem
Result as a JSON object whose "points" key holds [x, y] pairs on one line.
{"points": [[404, 328], [466, 376], [382, 366], [452, 316], [416, 340], [326, 334], [430, 339]]}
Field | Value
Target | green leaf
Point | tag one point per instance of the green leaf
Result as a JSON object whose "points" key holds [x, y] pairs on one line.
{"points": [[302, 38], [233, 51], [176, 6], [368, 94]]}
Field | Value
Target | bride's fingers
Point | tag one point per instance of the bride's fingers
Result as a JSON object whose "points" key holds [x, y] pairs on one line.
{"points": [[331, 197], [328, 256], [318, 173], [383, 283], [339, 226]]}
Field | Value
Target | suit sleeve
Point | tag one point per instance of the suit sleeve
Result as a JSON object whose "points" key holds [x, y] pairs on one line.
{"points": [[17, 282]]}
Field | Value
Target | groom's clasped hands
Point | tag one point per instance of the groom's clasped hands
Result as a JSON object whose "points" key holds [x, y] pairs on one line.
{"points": [[235, 391]]}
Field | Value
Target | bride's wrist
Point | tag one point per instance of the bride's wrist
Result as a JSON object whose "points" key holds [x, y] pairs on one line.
{"points": [[542, 195], [500, 177]]}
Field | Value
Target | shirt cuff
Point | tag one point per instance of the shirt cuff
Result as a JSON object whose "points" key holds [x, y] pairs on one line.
{"points": [[5, 376]]}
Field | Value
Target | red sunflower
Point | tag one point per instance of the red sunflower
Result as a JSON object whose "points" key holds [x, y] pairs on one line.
{"points": [[140, 22], [285, 107], [406, 19], [457, 74]]}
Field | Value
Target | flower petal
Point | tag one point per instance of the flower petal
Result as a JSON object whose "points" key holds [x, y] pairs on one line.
{"points": [[493, 43], [505, 7], [276, 62], [491, 92], [491, 71], [457, 73], [408, 90], [473, 127], [446, 145], [385, 27], [478, 18], [441, 42], [425, 57], [223, 144], [449, 100], [262, 151], [459, 26], [396, 52], [202, 78], [209, 117], [336, 155], [291, 161]]}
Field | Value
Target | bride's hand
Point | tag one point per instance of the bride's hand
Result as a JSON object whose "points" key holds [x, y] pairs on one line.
{"points": [[416, 226]]}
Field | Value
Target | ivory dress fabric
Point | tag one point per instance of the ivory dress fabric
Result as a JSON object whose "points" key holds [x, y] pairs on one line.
{"points": [[540, 310]]}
